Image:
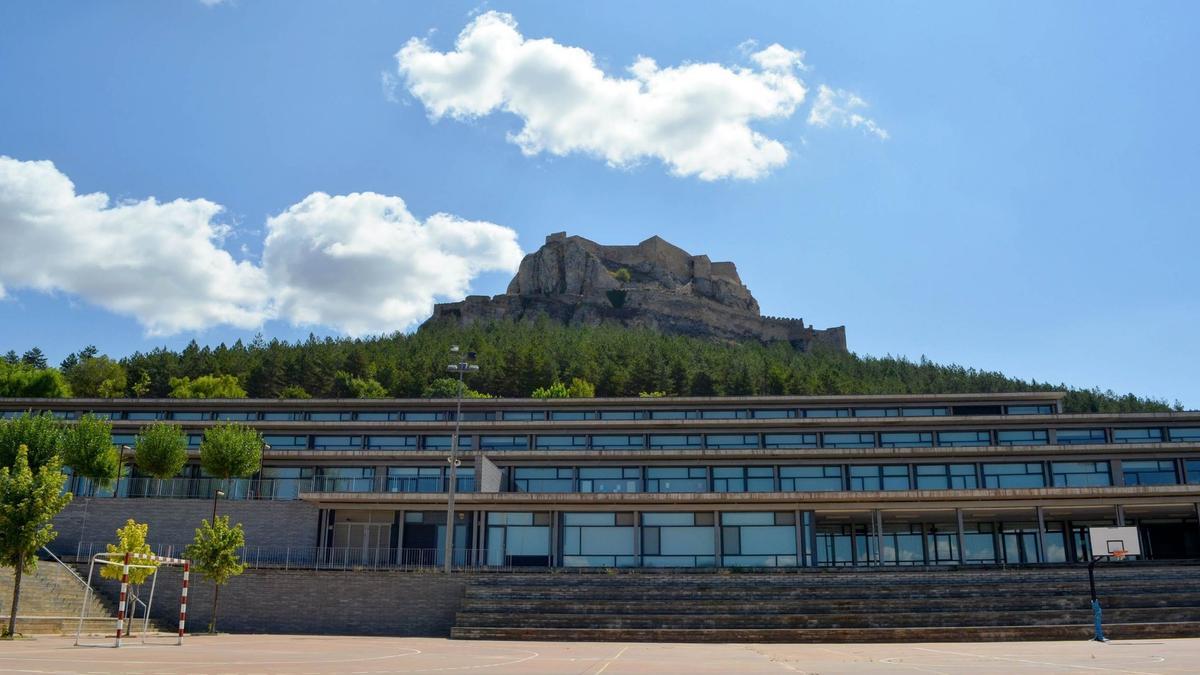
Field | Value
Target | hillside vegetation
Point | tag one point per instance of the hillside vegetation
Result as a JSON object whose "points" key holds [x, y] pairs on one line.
{"points": [[516, 359]]}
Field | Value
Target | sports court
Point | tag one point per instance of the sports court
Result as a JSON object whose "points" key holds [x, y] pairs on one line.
{"points": [[363, 655]]}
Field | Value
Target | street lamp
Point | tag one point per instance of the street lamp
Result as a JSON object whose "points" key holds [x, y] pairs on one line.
{"points": [[462, 367], [218, 493], [120, 466]]}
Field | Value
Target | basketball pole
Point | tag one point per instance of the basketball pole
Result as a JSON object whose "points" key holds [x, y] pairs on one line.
{"points": [[1097, 613]]}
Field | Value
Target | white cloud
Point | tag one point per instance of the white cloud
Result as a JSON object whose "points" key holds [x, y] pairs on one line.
{"points": [[838, 106], [363, 263], [694, 117], [358, 263]]}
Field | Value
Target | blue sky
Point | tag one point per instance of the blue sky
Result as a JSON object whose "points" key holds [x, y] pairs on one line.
{"points": [[1032, 208]]}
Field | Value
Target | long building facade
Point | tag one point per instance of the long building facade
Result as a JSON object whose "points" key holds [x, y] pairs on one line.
{"points": [[759, 482]]}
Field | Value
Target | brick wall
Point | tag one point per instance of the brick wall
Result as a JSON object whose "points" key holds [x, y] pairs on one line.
{"points": [[174, 521], [312, 602]]}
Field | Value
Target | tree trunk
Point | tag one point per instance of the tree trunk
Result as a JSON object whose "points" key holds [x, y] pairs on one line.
{"points": [[212, 624], [12, 613]]}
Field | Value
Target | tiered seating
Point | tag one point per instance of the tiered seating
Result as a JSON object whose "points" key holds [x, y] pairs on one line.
{"points": [[852, 605], [50, 602]]}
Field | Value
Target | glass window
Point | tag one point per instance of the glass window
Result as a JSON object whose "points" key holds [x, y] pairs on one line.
{"points": [[772, 414], [599, 540], [1150, 435], [743, 479], [1149, 472], [98, 414], [478, 416], [443, 442], [675, 442], [377, 416], [848, 440], [560, 442], [337, 442], [924, 412], [190, 415], [124, 439], [523, 415], [145, 415], [731, 441], [610, 479], [874, 477], [1029, 409], [677, 479], [543, 479], [236, 415], [763, 539], [344, 478], [1192, 467], [724, 414], [810, 478], [790, 441], [906, 439], [392, 442], [876, 412], [573, 415], [622, 414], [1079, 436], [1185, 434], [330, 416], [425, 415], [518, 538], [414, 479], [678, 540], [282, 416], [1022, 437], [959, 439], [1003, 476], [826, 412], [503, 442], [618, 442], [286, 442], [194, 441], [946, 477], [1080, 474], [674, 414]]}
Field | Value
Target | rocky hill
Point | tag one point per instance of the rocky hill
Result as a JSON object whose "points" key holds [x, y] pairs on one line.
{"points": [[654, 284]]}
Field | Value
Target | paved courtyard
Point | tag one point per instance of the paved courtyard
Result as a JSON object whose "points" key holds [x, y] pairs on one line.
{"points": [[364, 655]]}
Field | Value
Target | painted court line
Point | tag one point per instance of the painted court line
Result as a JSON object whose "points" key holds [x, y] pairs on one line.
{"points": [[610, 661], [1036, 663]]}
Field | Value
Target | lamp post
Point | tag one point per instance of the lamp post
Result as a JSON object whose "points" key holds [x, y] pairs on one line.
{"points": [[218, 493], [120, 466], [462, 367]]}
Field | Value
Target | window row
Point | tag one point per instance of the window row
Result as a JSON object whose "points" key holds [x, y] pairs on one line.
{"points": [[543, 415]]}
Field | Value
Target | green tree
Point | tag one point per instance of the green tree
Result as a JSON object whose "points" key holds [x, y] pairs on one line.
{"points": [[141, 386], [40, 434], [97, 377], [623, 275], [230, 451], [447, 387], [22, 381], [87, 449], [11, 358], [349, 386], [130, 539], [294, 391], [35, 358], [214, 554], [160, 450], [207, 386], [555, 390], [29, 501], [581, 388]]}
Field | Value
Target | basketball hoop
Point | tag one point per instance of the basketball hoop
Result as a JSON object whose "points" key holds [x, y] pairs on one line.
{"points": [[1118, 554]]}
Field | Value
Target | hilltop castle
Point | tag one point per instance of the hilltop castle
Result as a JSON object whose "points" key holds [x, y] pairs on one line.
{"points": [[654, 284]]}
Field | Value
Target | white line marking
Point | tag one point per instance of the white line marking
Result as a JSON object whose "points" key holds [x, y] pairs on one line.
{"points": [[1035, 663], [610, 661]]}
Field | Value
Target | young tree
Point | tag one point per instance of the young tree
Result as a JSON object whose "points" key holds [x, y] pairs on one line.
{"points": [[214, 554], [88, 450], [161, 450], [207, 386], [230, 451], [581, 388], [294, 391], [131, 539], [40, 434], [29, 501], [555, 390]]}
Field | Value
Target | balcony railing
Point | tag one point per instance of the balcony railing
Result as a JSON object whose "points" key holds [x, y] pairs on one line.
{"points": [[317, 558], [266, 488]]}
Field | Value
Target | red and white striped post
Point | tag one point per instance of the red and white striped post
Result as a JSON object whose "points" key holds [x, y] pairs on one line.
{"points": [[187, 568], [121, 600]]}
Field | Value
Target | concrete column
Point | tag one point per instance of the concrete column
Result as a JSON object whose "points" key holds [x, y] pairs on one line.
{"points": [[878, 519], [1119, 515], [799, 527], [554, 544], [1118, 476], [962, 539], [637, 537], [717, 543]]}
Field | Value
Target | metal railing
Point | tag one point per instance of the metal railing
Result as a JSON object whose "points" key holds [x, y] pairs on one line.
{"points": [[266, 488], [324, 558]]}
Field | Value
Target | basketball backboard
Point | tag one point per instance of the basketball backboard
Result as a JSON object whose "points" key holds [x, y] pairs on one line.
{"points": [[1108, 540]]}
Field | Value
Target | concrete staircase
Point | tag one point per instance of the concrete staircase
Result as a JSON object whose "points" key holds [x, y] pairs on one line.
{"points": [[51, 598], [850, 605]]}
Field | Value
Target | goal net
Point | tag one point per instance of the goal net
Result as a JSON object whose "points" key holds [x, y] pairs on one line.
{"points": [[130, 607]]}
